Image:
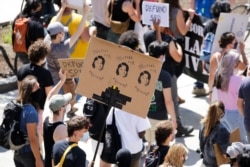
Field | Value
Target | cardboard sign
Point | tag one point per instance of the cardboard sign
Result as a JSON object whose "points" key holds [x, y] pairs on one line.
{"points": [[72, 66], [230, 22], [193, 43], [119, 76], [75, 4], [220, 158], [151, 10]]}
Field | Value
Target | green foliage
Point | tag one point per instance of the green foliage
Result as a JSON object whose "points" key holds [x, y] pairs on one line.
{"points": [[6, 34]]}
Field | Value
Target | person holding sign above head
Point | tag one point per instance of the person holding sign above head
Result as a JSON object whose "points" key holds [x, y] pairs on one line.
{"points": [[173, 57], [60, 48]]}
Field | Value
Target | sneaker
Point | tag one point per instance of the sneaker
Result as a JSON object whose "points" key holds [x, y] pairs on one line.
{"points": [[184, 131], [199, 91], [72, 113]]}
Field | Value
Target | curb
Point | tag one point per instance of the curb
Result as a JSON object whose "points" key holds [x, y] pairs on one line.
{"points": [[8, 84]]}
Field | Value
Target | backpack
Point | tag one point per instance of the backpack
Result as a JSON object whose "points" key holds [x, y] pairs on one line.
{"points": [[207, 46], [11, 137], [20, 36], [153, 157]]}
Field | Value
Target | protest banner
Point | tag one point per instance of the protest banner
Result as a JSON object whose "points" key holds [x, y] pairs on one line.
{"points": [[230, 22], [72, 66], [113, 70], [155, 10], [193, 42]]}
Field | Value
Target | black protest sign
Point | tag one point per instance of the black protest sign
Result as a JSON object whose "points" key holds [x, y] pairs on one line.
{"points": [[193, 43]]}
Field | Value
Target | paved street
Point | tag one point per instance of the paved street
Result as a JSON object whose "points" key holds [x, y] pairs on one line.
{"points": [[191, 111]]}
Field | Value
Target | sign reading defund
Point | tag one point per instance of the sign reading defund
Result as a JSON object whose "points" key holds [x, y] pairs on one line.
{"points": [[193, 42], [118, 76], [155, 10], [72, 66]]}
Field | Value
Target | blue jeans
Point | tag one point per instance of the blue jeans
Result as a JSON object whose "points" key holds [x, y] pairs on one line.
{"points": [[113, 37], [232, 120]]}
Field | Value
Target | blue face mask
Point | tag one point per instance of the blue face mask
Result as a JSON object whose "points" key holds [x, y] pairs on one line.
{"points": [[85, 137]]}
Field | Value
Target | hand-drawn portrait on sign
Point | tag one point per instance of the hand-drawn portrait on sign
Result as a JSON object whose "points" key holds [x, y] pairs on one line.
{"points": [[122, 70], [98, 63], [144, 78]]}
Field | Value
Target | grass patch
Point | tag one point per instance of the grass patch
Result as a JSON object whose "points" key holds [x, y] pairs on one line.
{"points": [[6, 34]]}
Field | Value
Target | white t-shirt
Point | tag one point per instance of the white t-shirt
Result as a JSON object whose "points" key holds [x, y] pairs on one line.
{"points": [[129, 125]]}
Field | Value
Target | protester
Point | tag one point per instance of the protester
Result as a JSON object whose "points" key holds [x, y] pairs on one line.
{"points": [[73, 20], [137, 125], [213, 132], [122, 11], [37, 54], [60, 48], [173, 57], [210, 27], [76, 127], [29, 155], [54, 129], [228, 84], [161, 104], [176, 156], [227, 41], [31, 10], [100, 21], [164, 134], [243, 102]]}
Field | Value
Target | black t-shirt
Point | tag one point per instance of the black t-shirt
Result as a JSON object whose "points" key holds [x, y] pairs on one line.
{"points": [[35, 31], [76, 157], [157, 108], [210, 26], [163, 152], [44, 79], [48, 132], [170, 64]]}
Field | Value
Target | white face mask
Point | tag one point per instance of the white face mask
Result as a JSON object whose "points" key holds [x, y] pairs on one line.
{"points": [[163, 59], [68, 108], [85, 137]]}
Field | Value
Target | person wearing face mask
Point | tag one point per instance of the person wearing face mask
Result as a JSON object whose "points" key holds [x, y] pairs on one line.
{"points": [[60, 48], [29, 155], [76, 127], [54, 129], [37, 54]]}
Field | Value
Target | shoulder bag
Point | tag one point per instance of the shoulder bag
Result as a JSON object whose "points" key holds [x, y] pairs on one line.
{"points": [[60, 164]]}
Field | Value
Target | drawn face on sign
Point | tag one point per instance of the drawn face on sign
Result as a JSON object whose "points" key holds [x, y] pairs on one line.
{"points": [[122, 70], [144, 78], [98, 63]]}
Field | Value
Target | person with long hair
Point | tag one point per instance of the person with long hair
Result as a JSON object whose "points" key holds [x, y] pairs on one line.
{"points": [[227, 41], [29, 155], [176, 156], [228, 84], [213, 132]]}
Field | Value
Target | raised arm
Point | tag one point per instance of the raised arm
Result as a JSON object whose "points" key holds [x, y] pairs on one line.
{"points": [[134, 13], [80, 28], [183, 26]]}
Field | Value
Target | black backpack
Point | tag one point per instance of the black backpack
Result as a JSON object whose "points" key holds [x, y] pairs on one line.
{"points": [[153, 157], [11, 136]]}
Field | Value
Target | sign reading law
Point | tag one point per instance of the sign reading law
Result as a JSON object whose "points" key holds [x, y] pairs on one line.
{"points": [[72, 66], [112, 70]]}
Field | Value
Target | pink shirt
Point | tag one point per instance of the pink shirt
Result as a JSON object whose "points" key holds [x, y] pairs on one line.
{"points": [[230, 97]]}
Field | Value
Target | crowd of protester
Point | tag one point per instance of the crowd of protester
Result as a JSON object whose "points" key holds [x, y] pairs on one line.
{"points": [[49, 96]]}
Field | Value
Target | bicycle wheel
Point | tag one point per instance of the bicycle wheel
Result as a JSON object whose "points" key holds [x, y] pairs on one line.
{"points": [[241, 9]]}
